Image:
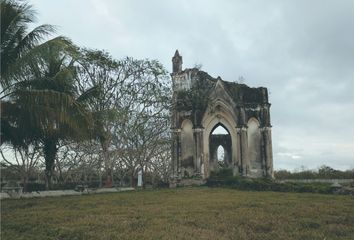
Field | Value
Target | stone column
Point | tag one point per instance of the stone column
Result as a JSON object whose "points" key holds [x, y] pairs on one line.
{"points": [[242, 153], [244, 149], [239, 163], [268, 151], [176, 154], [198, 150], [263, 151]]}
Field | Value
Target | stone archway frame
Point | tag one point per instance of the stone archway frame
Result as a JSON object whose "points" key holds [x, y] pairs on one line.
{"points": [[219, 112]]}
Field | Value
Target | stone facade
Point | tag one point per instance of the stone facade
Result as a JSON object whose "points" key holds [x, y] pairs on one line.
{"points": [[200, 104]]}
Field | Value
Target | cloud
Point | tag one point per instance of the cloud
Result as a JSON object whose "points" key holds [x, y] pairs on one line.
{"points": [[288, 155], [302, 51]]}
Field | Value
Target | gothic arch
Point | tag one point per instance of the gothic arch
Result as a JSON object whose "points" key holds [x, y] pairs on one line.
{"points": [[218, 114], [217, 140]]}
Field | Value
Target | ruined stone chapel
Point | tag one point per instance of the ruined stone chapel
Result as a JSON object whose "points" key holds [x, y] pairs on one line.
{"points": [[201, 104]]}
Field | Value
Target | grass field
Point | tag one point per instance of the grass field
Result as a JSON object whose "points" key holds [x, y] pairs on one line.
{"points": [[185, 213]]}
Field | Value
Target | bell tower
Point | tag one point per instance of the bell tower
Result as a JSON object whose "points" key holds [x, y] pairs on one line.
{"points": [[177, 63]]}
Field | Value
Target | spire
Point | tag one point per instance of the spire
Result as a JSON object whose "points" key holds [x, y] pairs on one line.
{"points": [[177, 53], [177, 62]]}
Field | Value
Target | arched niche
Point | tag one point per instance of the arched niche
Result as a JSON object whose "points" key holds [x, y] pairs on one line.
{"points": [[187, 148], [254, 142]]}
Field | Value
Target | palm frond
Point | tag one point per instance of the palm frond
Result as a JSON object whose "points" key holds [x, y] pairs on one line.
{"points": [[16, 40], [89, 94], [52, 111], [29, 62], [34, 37]]}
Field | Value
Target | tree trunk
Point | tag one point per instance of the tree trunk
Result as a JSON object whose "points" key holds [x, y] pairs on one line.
{"points": [[24, 182], [153, 181], [112, 172], [61, 178], [50, 151], [109, 179], [107, 163], [143, 177], [100, 177], [85, 175], [132, 182]]}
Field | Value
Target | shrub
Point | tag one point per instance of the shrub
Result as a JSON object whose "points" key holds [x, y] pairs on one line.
{"points": [[324, 172], [223, 179], [162, 184], [222, 173], [73, 185], [33, 187], [65, 186]]}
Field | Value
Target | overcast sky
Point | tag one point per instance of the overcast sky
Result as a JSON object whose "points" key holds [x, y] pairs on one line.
{"points": [[302, 51]]}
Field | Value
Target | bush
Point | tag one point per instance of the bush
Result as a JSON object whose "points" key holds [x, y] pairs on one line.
{"points": [[223, 173], [223, 179], [65, 186], [324, 172], [33, 187], [162, 184], [72, 185]]}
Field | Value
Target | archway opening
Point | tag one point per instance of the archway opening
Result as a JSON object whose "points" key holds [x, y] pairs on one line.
{"points": [[220, 129], [220, 154], [219, 147]]}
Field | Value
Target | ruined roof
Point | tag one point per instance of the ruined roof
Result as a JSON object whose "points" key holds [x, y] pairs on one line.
{"points": [[238, 91]]}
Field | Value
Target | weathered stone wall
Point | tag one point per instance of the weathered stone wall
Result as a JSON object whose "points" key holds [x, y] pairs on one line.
{"points": [[187, 149], [254, 163], [200, 103]]}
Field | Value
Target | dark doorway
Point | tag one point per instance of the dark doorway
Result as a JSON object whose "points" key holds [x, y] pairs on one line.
{"points": [[220, 146]]}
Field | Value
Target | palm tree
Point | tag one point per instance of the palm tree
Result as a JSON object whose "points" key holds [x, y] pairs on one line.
{"points": [[42, 105], [46, 107], [16, 39], [57, 110]]}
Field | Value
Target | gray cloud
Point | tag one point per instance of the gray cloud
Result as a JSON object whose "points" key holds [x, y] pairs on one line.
{"points": [[303, 51]]}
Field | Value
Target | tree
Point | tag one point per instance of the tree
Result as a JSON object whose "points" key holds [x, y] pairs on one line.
{"points": [[141, 139], [160, 164], [77, 162], [46, 107], [143, 123], [26, 161], [48, 90], [17, 42], [39, 101], [133, 99], [98, 69]]}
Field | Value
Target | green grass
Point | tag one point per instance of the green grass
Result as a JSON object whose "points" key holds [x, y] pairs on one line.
{"points": [[185, 213]]}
